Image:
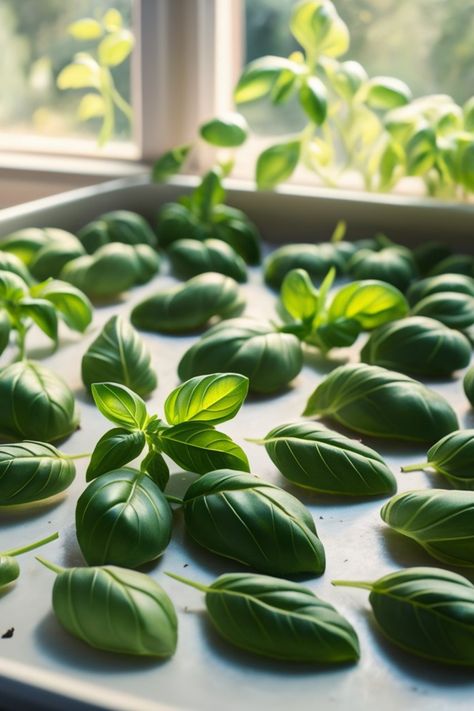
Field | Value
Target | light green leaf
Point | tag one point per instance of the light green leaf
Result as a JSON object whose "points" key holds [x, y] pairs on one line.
{"points": [[276, 164], [259, 77], [121, 405], [73, 306], [198, 447], [314, 100], [207, 398], [112, 20], [91, 105], [43, 313], [79, 75], [319, 29], [115, 48], [229, 130], [170, 163], [86, 29], [387, 93], [369, 302], [298, 295]]}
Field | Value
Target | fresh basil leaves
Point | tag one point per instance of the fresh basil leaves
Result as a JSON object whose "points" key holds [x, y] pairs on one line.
{"points": [[453, 458]]}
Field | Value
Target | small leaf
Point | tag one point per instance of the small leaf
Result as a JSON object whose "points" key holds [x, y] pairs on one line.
{"points": [[73, 306], [198, 447], [91, 105], [114, 449], [228, 131], [259, 77], [156, 467], [170, 163], [387, 93], [207, 398], [85, 29], [298, 295], [340, 333], [314, 100], [208, 194], [112, 20], [43, 313], [115, 48], [339, 232], [79, 76], [318, 28], [371, 303], [276, 164], [120, 405], [5, 330]]}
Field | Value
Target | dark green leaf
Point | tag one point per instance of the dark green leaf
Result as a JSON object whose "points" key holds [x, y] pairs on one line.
{"points": [[120, 405], [50, 259], [469, 385], [207, 398], [454, 309], [175, 222], [340, 333], [198, 447], [156, 467], [394, 265], [315, 259], [428, 254], [71, 304], [9, 570], [117, 226], [148, 262], [228, 131], [189, 257], [240, 234], [112, 269], [442, 283], [382, 403], [207, 195], [114, 449], [43, 313], [5, 330], [244, 518], [453, 458], [314, 100], [259, 77], [169, 163]]}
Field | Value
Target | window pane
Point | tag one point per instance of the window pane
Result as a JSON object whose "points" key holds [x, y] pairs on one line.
{"points": [[36, 47]]}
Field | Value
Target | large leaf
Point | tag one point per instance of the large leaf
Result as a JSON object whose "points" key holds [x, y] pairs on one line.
{"points": [[316, 25], [120, 405], [249, 520], [198, 447], [119, 355], [32, 471], [85, 29], [207, 398], [190, 257], [313, 98], [114, 449], [72, 305], [370, 302]]}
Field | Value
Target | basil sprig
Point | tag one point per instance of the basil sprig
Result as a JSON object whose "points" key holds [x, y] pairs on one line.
{"points": [[382, 403], [439, 520], [119, 354], [249, 520], [426, 611], [313, 457], [115, 609], [190, 438], [452, 457], [9, 568], [278, 619]]}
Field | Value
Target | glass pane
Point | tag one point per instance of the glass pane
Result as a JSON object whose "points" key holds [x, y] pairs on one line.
{"points": [[37, 46]]}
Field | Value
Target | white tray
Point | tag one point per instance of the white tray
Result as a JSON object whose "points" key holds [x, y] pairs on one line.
{"points": [[43, 667]]}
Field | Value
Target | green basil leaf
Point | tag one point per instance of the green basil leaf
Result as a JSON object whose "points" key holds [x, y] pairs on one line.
{"points": [[120, 405], [269, 359], [228, 131], [43, 313], [208, 194], [207, 398], [249, 520], [32, 471], [123, 518], [453, 458], [318, 28], [421, 150], [298, 295], [442, 283], [9, 570], [315, 259], [276, 164], [71, 304], [120, 355], [233, 227], [169, 163], [387, 93], [54, 255], [9, 262], [340, 333], [314, 100], [25, 243], [468, 383], [347, 78], [189, 306], [36, 403], [189, 258], [156, 467], [313, 457], [114, 449], [454, 309], [117, 226], [454, 264], [428, 254], [278, 619], [115, 609], [417, 345], [394, 265], [426, 611], [12, 288], [112, 269], [198, 447], [5, 330], [438, 520], [382, 403], [147, 261], [371, 303], [176, 220], [260, 76]]}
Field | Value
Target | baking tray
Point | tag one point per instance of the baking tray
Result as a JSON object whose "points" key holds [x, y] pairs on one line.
{"points": [[42, 667]]}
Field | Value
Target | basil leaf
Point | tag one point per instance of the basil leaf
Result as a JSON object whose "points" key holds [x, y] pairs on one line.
{"points": [[453, 458], [417, 345], [12, 288], [438, 520], [169, 163], [36, 403], [123, 518], [12, 263], [454, 309], [25, 243], [387, 93], [114, 449], [278, 619], [314, 100], [207, 398], [454, 264], [259, 77], [54, 255], [189, 258], [147, 263], [117, 226], [382, 403], [71, 304], [426, 611], [428, 254], [120, 405], [116, 610], [198, 447], [190, 305], [120, 355], [371, 303], [157, 469], [444, 283], [5, 330], [176, 220], [229, 130], [208, 193], [298, 295], [269, 359], [468, 384], [316, 259], [32, 471], [394, 265], [112, 269], [42, 313], [276, 164], [249, 520], [313, 457], [9, 570], [234, 227], [340, 333]]}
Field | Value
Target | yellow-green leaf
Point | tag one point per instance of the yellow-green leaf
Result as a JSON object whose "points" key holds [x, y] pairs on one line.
{"points": [[276, 164], [387, 93], [115, 48], [91, 105], [77, 76], [112, 20], [86, 29]]}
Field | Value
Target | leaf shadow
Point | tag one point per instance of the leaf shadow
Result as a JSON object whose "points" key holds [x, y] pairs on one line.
{"points": [[29, 512], [315, 498], [179, 483], [59, 646], [323, 363]]}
